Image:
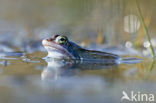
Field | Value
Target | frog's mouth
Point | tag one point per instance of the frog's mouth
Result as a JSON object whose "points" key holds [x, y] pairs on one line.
{"points": [[54, 48]]}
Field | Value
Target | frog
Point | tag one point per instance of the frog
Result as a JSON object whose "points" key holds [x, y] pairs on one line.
{"points": [[60, 47]]}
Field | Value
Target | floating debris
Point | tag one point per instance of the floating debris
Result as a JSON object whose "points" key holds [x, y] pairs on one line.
{"points": [[30, 61], [7, 58], [2, 54], [11, 55]]}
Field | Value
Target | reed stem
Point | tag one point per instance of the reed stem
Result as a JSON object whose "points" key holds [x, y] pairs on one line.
{"points": [[145, 28]]}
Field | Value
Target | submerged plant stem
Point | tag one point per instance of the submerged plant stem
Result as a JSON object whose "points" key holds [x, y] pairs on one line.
{"points": [[145, 29]]}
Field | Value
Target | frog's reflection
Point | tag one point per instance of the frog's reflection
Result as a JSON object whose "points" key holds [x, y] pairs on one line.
{"points": [[62, 68]]}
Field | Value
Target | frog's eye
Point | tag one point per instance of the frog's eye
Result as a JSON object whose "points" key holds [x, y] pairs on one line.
{"points": [[61, 39]]}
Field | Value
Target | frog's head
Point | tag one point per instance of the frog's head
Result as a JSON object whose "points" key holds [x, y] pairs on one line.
{"points": [[60, 47]]}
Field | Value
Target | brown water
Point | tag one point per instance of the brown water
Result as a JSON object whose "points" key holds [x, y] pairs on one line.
{"points": [[30, 79]]}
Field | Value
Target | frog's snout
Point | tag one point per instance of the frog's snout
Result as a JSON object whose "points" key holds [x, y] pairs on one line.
{"points": [[44, 42], [50, 39]]}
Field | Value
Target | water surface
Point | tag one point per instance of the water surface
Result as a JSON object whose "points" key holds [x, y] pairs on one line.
{"points": [[30, 78]]}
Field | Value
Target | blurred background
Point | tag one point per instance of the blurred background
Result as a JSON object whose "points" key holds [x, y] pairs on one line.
{"points": [[110, 22]]}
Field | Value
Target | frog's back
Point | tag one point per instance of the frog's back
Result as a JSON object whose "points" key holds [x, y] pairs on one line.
{"points": [[97, 55], [81, 53]]}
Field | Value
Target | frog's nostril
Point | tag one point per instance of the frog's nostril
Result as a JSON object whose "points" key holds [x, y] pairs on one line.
{"points": [[49, 39]]}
